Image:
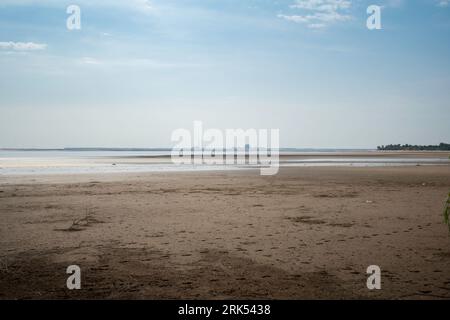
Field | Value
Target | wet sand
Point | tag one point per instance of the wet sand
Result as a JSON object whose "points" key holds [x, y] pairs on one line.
{"points": [[306, 233]]}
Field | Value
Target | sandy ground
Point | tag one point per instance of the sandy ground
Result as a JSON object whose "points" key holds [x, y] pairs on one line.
{"points": [[305, 233]]}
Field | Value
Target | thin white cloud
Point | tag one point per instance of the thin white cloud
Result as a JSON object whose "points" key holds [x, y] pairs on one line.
{"points": [[317, 25], [443, 3], [90, 61], [317, 14], [144, 6], [322, 5], [134, 63], [22, 46]]}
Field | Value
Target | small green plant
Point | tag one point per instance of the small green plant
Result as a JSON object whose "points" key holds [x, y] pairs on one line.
{"points": [[447, 212], [3, 266]]}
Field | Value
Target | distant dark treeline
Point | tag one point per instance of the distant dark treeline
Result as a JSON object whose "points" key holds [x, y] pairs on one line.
{"points": [[409, 147]]}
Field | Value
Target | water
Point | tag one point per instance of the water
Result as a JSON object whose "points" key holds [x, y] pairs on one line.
{"points": [[58, 154], [15, 162]]}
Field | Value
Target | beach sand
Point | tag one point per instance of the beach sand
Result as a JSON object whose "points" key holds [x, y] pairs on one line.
{"points": [[306, 233]]}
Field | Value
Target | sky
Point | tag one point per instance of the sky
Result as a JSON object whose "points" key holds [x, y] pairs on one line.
{"points": [[137, 70]]}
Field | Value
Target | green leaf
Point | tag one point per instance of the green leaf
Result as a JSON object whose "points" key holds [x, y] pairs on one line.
{"points": [[447, 212]]}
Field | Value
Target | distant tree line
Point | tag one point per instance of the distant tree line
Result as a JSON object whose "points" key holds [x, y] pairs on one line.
{"points": [[409, 147]]}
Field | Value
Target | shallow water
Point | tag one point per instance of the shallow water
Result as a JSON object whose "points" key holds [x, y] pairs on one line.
{"points": [[73, 162]]}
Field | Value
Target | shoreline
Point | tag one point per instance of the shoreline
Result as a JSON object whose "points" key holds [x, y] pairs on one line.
{"points": [[93, 163]]}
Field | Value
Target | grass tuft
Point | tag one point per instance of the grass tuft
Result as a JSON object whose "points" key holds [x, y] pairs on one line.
{"points": [[447, 212]]}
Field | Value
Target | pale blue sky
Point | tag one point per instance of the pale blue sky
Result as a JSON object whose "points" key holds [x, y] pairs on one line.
{"points": [[137, 70]]}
